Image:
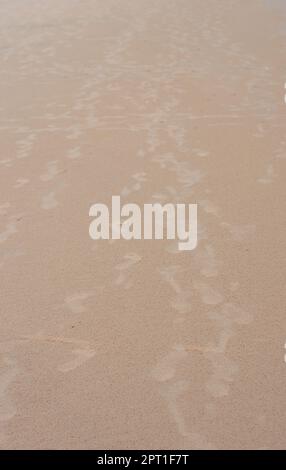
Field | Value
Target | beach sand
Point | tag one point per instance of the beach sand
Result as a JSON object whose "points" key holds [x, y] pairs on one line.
{"points": [[133, 344]]}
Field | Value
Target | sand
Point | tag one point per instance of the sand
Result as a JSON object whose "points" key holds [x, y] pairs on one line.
{"points": [[133, 344]]}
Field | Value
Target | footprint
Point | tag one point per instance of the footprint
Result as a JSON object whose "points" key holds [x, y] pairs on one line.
{"points": [[168, 274], [139, 179], [75, 133], [82, 355], [141, 153], [83, 350], [25, 146], [166, 368], [6, 162], [52, 171], [231, 313], [21, 182], [165, 160], [55, 339], [208, 295], [192, 439], [130, 260], [207, 261], [9, 255], [8, 232], [240, 233], [49, 201], [188, 178], [75, 302], [201, 153], [4, 208], [209, 207], [182, 303], [10, 370], [269, 177], [222, 376], [74, 153], [159, 197]]}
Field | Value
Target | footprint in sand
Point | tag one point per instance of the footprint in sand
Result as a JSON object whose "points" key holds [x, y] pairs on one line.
{"points": [[192, 439], [207, 261], [166, 368], [8, 372], [139, 178], [75, 302], [269, 177], [182, 300], [74, 133], [82, 349], [200, 152], [166, 160], [21, 182], [10, 229], [130, 260], [234, 286], [260, 131], [49, 201], [178, 133], [224, 371], [82, 355], [25, 146], [231, 313], [170, 194], [240, 233], [182, 303], [141, 153], [10, 255], [168, 274], [188, 178], [209, 207], [161, 197], [4, 208], [6, 162], [208, 295], [52, 171], [74, 153]]}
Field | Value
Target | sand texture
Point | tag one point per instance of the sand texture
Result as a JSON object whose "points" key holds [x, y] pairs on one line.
{"points": [[133, 344]]}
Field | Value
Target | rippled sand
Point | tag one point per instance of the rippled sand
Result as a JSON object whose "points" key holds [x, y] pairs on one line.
{"points": [[135, 344]]}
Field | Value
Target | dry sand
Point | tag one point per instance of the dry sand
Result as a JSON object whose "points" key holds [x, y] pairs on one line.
{"points": [[134, 344]]}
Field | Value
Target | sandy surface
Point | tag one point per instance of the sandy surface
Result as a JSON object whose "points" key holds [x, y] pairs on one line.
{"points": [[134, 344]]}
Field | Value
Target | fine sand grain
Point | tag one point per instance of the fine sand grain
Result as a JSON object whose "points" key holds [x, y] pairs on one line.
{"points": [[134, 344]]}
